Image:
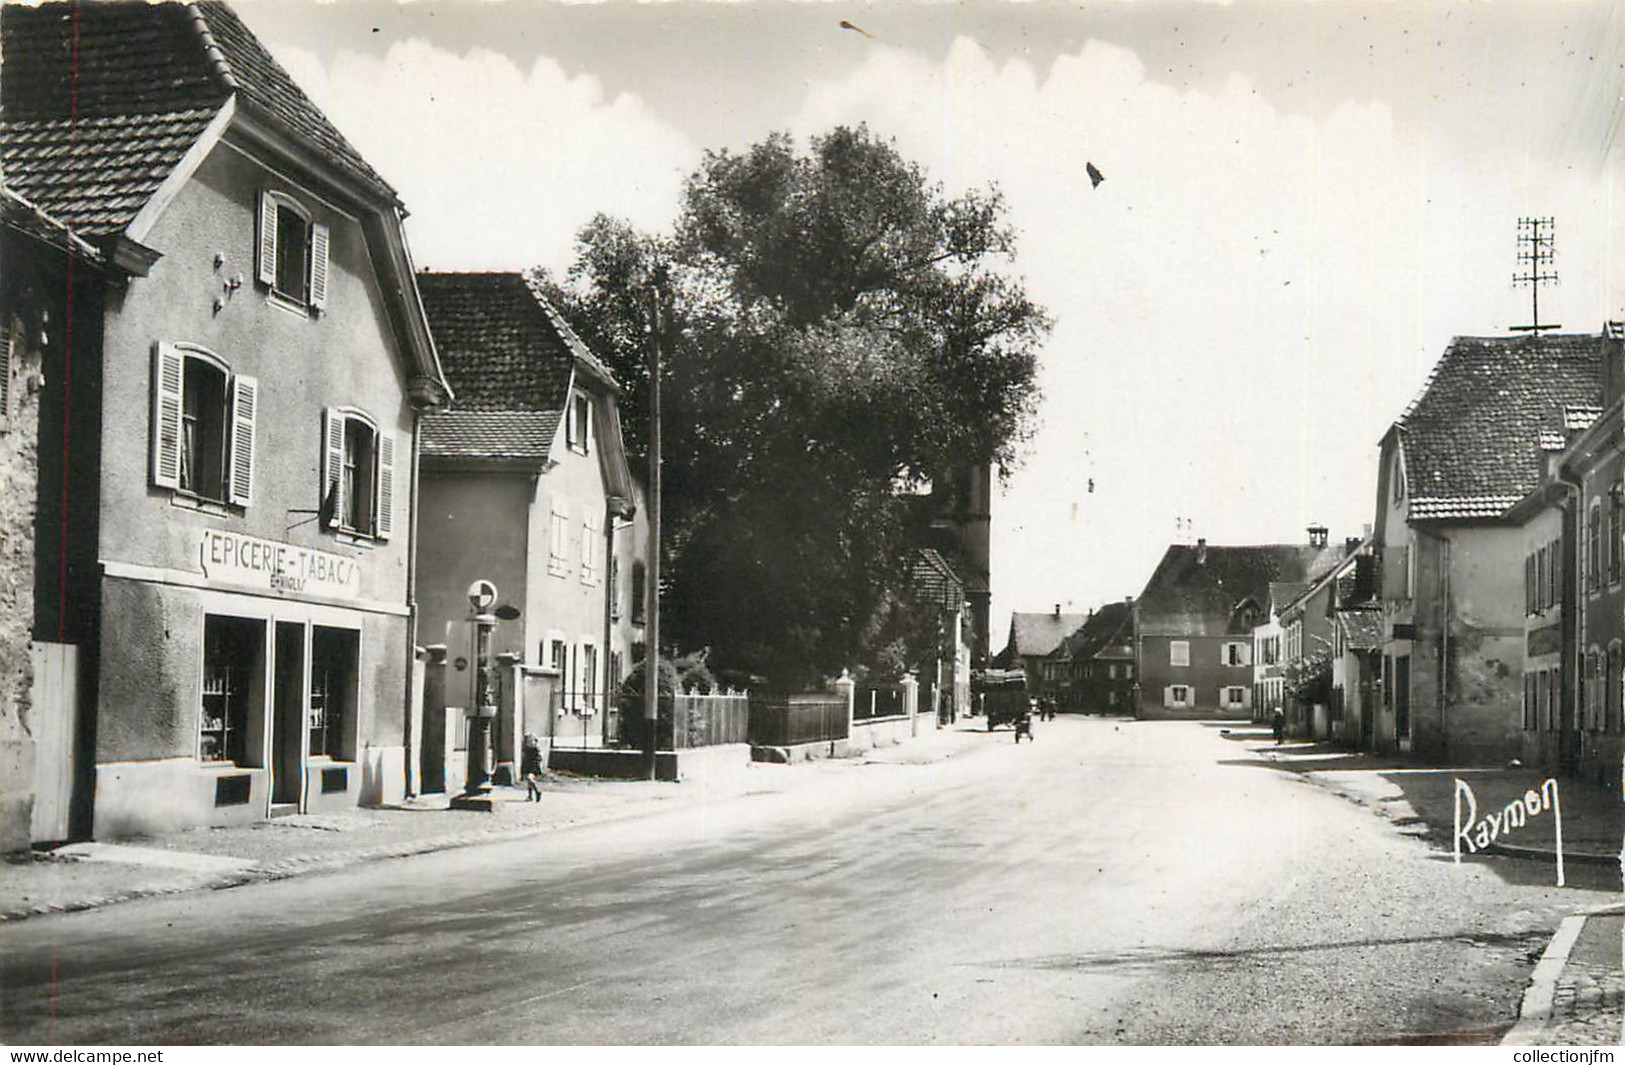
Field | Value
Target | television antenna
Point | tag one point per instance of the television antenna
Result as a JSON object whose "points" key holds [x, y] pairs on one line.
{"points": [[1537, 249]]}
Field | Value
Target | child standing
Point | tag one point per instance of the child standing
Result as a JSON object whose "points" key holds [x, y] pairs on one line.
{"points": [[530, 767]]}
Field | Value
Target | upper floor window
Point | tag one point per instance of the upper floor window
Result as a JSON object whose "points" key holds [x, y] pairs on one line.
{"points": [[558, 541], [293, 251], [358, 489], [1179, 653], [1616, 519], [1594, 535], [640, 580], [1236, 653], [578, 427], [202, 425], [1398, 477]]}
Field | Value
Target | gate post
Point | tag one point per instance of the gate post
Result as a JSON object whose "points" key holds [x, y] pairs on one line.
{"points": [[911, 702]]}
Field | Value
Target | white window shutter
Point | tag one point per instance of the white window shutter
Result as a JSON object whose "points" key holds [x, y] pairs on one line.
{"points": [[169, 368], [385, 523], [318, 266], [332, 502], [1168, 696], [267, 248], [245, 401]]}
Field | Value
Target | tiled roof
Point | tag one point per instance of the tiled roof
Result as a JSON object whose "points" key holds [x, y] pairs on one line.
{"points": [[500, 345], [580, 350], [933, 580], [1361, 628], [101, 100], [521, 434], [1283, 592], [20, 216], [1039, 634], [1472, 438], [1196, 591], [1104, 628], [270, 89], [1552, 440], [1577, 419]]}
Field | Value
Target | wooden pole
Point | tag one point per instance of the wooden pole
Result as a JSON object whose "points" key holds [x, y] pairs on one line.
{"points": [[651, 590]]}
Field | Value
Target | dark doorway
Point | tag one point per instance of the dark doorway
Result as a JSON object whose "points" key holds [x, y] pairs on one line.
{"points": [[287, 754]]}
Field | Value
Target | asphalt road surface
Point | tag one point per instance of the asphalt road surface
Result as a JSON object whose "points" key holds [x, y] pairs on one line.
{"points": [[1113, 882]]}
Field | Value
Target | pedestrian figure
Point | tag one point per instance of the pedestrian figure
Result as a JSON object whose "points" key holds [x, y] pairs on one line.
{"points": [[1024, 725], [1278, 723], [530, 767]]}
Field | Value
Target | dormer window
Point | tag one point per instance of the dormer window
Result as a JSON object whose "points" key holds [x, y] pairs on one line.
{"points": [[292, 253]]}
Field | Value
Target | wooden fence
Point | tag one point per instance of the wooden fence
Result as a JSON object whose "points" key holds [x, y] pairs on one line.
{"points": [[710, 720], [786, 720]]}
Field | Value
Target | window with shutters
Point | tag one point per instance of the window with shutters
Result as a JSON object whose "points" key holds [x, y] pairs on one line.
{"points": [[1593, 568], [640, 580], [1179, 653], [1616, 519], [558, 539], [203, 422], [578, 428], [592, 549], [358, 478], [292, 257]]}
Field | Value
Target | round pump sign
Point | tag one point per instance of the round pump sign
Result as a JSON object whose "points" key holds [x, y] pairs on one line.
{"points": [[482, 595]]}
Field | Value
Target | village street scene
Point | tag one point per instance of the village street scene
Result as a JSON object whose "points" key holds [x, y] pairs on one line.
{"points": [[530, 523]]}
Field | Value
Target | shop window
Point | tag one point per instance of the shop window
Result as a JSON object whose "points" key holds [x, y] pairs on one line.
{"points": [[203, 426], [292, 253], [229, 728], [331, 707], [358, 490]]}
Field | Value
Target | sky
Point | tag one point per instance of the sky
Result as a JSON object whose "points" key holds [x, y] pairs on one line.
{"points": [[1302, 204]]}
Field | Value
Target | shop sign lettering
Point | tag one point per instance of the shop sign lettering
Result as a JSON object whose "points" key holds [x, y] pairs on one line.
{"points": [[231, 558]]}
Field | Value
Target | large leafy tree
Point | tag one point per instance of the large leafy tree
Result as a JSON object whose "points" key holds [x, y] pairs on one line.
{"points": [[833, 328]]}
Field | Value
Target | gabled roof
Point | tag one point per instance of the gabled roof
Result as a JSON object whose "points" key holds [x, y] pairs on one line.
{"points": [[1039, 634], [1472, 439], [502, 346], [1106, 627], [21, 216], [933, 580], [490, 434], [1283, 592], [101, 101], [1196, 590], [1362, 627]]}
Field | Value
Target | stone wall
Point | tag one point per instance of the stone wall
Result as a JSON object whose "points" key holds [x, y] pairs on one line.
{"points": [[19, 481]]}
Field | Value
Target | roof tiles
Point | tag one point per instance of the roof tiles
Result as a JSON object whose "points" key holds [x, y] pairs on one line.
{"points": [[1472, 438], [500, 347], [102, 100], [1199, 590], [490, 434]]}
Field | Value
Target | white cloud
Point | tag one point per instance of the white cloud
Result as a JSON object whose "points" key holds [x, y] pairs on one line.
{"points": [[499, 166]]}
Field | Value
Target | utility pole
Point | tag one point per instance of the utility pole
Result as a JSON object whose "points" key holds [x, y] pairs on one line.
{"points": [[651, 588], [1537, 249]]}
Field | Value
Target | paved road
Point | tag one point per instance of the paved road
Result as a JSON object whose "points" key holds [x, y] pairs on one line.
{"points": [[1112, 882]]}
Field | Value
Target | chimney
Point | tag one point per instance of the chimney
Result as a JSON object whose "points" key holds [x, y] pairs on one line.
{"points": [[1057, 609], [1317, 535], [1201, 550], [1351, 544]]}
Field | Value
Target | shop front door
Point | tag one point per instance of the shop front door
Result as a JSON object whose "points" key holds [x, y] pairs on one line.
{"points": [[288, 719]]}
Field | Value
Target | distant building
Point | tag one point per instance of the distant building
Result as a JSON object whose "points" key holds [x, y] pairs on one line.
{"points": [[1194, 632], [1269, 676], [1092, 671], [1032, 639]]}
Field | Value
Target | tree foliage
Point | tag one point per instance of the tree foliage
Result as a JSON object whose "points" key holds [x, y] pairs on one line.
{"points": [[832, 326]]}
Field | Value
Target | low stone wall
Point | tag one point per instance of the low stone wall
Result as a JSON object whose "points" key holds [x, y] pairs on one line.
{"points": [[715, 767], [890, 731]]}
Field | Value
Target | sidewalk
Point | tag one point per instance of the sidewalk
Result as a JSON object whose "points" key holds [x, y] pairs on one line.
{"points": [[1420, 800], [1576, 995], [85, 876]]}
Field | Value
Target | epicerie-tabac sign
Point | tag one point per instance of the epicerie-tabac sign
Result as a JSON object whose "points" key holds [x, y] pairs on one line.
{"points": [[274, 567]]}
